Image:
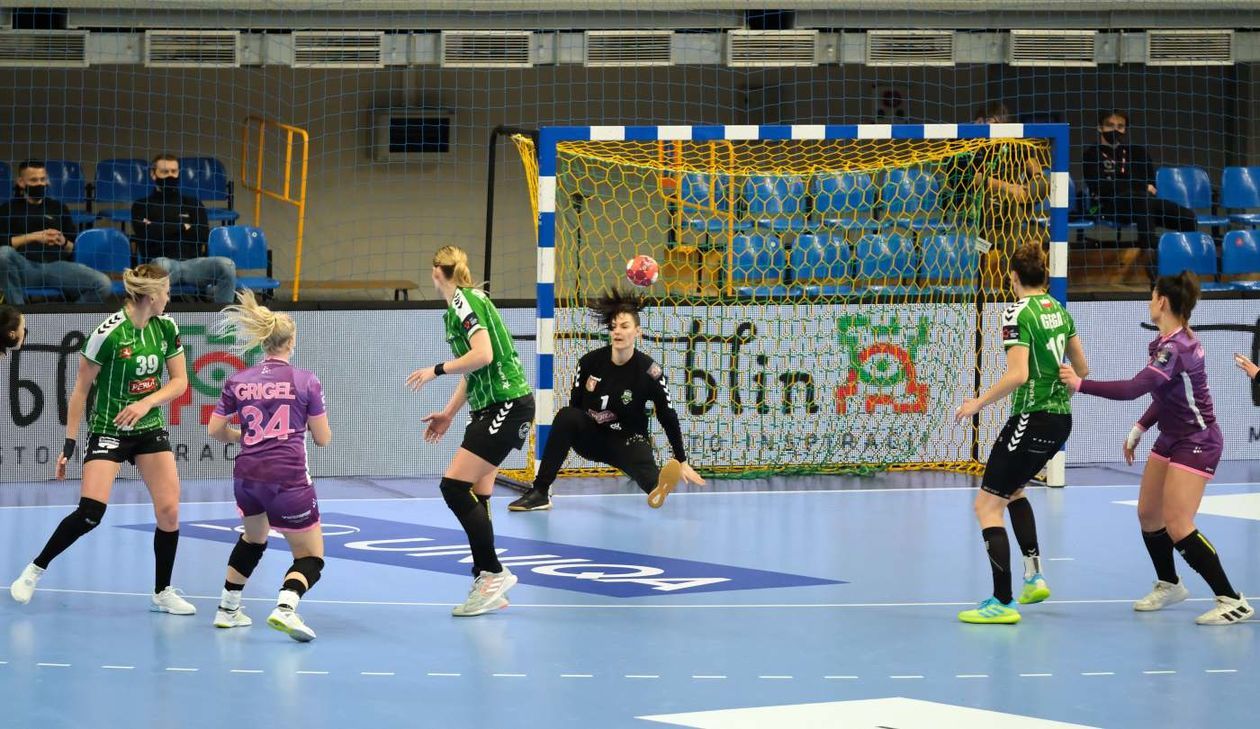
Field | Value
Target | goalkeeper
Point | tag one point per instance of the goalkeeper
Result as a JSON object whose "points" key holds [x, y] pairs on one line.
{"points": [[606, 419]]}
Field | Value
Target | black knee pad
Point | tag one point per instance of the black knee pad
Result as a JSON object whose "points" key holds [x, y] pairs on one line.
{"points": [[459, 495], [308, 567], [245, 556], [88, 516]]}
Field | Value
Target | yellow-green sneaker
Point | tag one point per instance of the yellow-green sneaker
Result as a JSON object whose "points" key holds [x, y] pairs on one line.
{"points": [[1035, 590], [991, 611]]}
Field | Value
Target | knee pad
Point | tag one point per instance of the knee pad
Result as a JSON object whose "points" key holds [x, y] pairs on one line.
{"points": [[459, 496], [308, 567], [245, 556], [88, 516]]}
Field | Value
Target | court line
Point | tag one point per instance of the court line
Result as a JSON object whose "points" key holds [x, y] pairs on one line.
{"points": [[611, 606], [676, 494]]}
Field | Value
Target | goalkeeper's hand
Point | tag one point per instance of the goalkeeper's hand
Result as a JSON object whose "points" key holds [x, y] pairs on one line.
{"points": [[1131, 441]]}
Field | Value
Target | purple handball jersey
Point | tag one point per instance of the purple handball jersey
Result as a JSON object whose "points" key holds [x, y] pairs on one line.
{"points": [[273, 400], [1183, 401]]}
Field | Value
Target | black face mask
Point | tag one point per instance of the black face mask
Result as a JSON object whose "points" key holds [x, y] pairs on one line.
{"points": [[1112, 137], [36, 192], [168, 185]]}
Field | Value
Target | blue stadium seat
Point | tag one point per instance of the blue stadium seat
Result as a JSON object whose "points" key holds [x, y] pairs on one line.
{"points": [[757, 267], [67, 184], [105, 249], [6, 182], [948, 264], [1240, 256], [705, 203], [1194, 252], [1240, 190], [1076, 209], [1189, 187], [910, 197], [819, 263], [845, 201], [881, 258], [120, 181], [776, 203], [247, 247], [206, 179]]}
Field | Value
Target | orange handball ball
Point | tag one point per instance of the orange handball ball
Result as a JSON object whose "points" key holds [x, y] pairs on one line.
{"points": [[642, 270]]}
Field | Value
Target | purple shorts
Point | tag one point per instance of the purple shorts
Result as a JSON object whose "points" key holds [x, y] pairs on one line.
{"points": [[1199, 454], [290, 507]]}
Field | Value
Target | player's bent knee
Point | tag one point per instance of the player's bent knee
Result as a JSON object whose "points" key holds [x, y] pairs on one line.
{"points": [[570, 417], [310, 569], [246, 556], [458, 495], [88, 516]]}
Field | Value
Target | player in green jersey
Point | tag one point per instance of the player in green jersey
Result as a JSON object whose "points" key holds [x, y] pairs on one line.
{"points": [[1037, 333], [494, 386], [124, 357]]}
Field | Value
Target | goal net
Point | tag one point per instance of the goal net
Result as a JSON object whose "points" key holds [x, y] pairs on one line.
{"points": [[824, 304]]}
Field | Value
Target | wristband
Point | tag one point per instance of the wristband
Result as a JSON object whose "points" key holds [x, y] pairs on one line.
{"points": [[1134, 436], [67, 450], [439, 369]]}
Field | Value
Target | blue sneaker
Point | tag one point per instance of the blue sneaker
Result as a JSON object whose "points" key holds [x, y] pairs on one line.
{"points": [[1035, 590], [991, 611]]}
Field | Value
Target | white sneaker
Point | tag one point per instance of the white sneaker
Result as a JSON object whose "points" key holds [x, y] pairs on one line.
{"points": [[235, 619], [172, 601], [489, 592], [1161, 596], [1227, 612], [290, 623], [24, 586]]}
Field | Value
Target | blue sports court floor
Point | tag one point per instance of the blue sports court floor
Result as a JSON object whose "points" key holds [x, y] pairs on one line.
{"points": [[799, 602]]}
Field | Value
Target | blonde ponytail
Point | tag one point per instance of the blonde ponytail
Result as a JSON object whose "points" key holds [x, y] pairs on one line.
{"points": [[147, 279], [454, 264], [256, 325]]}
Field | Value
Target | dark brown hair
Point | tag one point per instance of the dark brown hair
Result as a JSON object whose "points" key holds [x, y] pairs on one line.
{"points": [[1106, 114], [164, 157], [993, 110], [608, 307], [1029, 263], [10, 320], [1182, 292]]}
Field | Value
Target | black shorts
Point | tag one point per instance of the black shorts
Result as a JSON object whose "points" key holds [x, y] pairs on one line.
{"points": [[1023, 448], [126, 447], [499, 429]]}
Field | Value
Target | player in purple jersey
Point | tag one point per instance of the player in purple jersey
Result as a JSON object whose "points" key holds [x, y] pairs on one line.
{"points": [[1184, 456], [276, 403]]}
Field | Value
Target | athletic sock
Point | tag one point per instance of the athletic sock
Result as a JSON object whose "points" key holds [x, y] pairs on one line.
{"points": [[998, 546], [230, 600], [1199, 553], [1160, 546], [1024, 524], [289, 598], [164, 546]]}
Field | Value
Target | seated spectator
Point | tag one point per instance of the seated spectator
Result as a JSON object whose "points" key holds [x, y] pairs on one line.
{"points": [[37, 244], [171, 230], [1121, 180]]}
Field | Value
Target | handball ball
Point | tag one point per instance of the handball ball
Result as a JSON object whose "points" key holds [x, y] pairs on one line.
{"points": [[642, 270]]}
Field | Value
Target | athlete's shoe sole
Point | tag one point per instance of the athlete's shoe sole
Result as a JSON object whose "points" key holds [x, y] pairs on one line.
{"points": [[671, 473], [1034, 592], [301, 633], [498, 603], [518, 506], [237, 619]]}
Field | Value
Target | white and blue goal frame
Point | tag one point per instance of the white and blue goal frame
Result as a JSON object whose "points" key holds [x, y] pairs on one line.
{"points": [[550, 137]]}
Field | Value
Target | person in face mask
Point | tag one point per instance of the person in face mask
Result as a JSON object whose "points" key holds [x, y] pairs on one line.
{"points": [[170, 229], [37, 244], [1121, 179]]}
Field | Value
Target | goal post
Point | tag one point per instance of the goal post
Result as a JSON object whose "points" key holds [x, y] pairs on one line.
{"points": [[828, 293]]}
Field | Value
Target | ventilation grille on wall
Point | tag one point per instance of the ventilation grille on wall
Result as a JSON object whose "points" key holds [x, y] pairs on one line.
{"points": [[910, 48], [486, 48], [199, 48], [313, 49], [1189, 47], [629, 48], [765, 48], [1051, 48], [43, 48]]}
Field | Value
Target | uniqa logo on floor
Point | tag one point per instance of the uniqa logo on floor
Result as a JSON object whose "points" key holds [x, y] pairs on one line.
{"points": [[547, 564]]}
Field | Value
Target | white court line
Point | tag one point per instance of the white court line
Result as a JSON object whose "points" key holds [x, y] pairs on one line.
{"points": [[577, 675], [53, 665], [642, 675], [1098, 673], [972, 675], [907, 676], [1221, 670], [702, 676], [613, 606], [1036, 675], [376, 673], [183, 670], [508, 675], [312, 673], [447, 675], [780, 678], [679, 494], [120, 668], [1158, 673], [850, 678], [246, 670]]}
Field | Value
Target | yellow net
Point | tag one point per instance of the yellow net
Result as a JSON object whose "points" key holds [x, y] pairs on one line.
{"points": [[823, 306]]}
